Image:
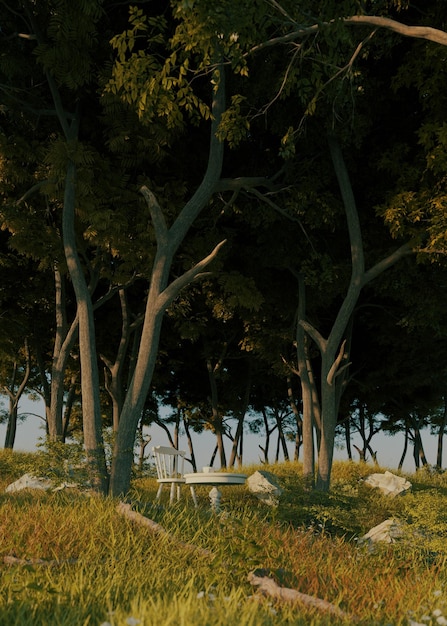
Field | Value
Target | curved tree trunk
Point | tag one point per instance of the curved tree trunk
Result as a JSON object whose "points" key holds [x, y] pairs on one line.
{"points": [[160, 296], [332, 349], [308, 390], [63, 343], [91, 411], [113, 371], [14, 396]]}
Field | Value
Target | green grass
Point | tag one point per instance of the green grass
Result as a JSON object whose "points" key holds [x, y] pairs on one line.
{"points": [[100, 568]]}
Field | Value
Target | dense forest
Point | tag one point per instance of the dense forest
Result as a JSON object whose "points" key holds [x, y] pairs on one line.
{"points": [[226, 216]]}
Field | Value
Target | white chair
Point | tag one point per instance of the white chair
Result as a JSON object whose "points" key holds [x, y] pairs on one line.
{"points": [[169, 463]]}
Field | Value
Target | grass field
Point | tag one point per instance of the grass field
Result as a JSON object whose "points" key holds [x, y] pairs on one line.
{"points": [[70, 558]]}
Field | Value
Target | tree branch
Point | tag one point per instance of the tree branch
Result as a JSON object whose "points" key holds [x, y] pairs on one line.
{"points": [[282, 212], [126, 510], [316, 336], [243, 182], [30, 191], [174, 288], [269, 587], [211, 177], [333, 371], [384, 264], [158, 219], [417, 32]]}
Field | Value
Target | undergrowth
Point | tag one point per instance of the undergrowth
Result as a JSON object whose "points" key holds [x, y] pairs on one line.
{"points": [[70, 558]]}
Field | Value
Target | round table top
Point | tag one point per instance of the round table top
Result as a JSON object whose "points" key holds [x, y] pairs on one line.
{"points": [[215, 478]]}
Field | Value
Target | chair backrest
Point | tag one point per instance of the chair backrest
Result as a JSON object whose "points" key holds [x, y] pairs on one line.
{"points": [[169, 462]]}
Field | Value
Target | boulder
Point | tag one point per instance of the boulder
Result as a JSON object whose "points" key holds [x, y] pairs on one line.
{"points": [[387, 532], [265, 487], [389, 484], [28, 481]]}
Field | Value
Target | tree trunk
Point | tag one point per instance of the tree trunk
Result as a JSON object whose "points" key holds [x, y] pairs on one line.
{"points": [[404, 451], [348, 438], [190, 444], [282, 443], [114, 371], [332, 350], [11, 428], [309, 393], [236, 450], [216, 419], [161, 295], [71, 395], [441, 435], [63, 343], [265, 449], [418, 451], [298, 420], [14, 396], [91, 411]]}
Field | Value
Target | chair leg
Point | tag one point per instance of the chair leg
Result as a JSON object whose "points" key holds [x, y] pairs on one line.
{"points": [[157, 497], [193, 494], [171, 498]]}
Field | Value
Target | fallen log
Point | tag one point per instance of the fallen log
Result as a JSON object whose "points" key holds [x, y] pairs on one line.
{"points": [[269, 587], [126, 510]]}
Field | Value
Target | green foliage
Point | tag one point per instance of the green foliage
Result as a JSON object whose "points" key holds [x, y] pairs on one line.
{"points": [[154, 79], [71, 32], [61, 463], [234, 126]]}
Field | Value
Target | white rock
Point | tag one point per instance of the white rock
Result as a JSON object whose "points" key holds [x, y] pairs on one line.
{"points": [[265, 487], [28, 481], [389, 484], [387, 532]]}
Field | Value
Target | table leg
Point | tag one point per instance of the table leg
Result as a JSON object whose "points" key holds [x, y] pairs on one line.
{"points": [[215, 497]]}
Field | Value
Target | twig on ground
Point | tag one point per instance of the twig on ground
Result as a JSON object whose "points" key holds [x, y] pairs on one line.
{"points": [[9, 559], [269, 587], [134, 516]]}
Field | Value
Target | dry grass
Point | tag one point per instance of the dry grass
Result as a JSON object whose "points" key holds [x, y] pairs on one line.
{"points": [[107, 570]]}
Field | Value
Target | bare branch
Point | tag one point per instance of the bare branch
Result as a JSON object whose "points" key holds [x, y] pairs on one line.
{"points": [[289, 365], [282, 212], [316, 336], [418, 32], [269, 587], [277, 6], [267, 106], [333, 371], [384, 264], [243, 182], [26, 36], [174, 288], [31, 191], [158, 219], [126, 510]]}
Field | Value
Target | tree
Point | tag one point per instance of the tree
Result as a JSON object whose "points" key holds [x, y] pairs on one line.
{"points": [[151, 115]]}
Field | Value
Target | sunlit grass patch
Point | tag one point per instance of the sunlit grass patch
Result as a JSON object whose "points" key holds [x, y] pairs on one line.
{"points": [[79, 561]]}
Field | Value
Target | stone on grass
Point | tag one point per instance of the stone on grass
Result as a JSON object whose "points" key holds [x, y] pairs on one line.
{"points": [[28, 481], [389, 484], [387, 532], [265, 487]]}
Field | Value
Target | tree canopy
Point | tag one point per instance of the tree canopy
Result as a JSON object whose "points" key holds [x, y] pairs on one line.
{"points": [[232, 210]]}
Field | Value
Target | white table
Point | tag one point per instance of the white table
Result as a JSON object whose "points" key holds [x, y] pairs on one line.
{"points": [[215, 479]]}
